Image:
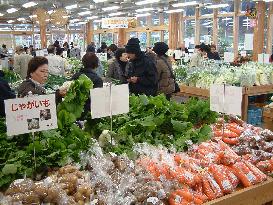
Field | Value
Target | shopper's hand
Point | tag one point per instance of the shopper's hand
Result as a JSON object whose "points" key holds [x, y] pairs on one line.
{"points": [[134, 79]]}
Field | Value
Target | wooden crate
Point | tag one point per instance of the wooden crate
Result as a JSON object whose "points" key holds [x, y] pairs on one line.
{"points": [[258, 90], [256, 195], [268, 118], [193, 91]]}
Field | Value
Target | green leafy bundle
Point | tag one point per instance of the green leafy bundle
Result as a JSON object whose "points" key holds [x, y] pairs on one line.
{"points": [[53, 148], [75, 64], [154, 120], [11, 76], [55, 81]]}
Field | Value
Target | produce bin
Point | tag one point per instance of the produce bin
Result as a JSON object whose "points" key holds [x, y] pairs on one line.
{"points": [[268, 118]]}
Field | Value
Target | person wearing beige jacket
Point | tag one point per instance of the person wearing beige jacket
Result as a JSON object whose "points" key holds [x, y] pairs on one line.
{"points": [[21, 61]]}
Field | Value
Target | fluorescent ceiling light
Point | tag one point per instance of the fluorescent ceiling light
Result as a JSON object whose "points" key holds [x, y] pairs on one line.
{"points": [[98, 21], [215, 6], [82, 23], [74, 6], [74, 20], [10, 21], [92, 17], [66, 17], [21, 19], [110, 8], [1, 14], [116, 14], [99, 1], [146, 2], [33, 16], [50, 12], [145, 9], [143, 15], [29, 4], [190, 3], [12, 10], [226, 19], [84, 13], [174, 11]]}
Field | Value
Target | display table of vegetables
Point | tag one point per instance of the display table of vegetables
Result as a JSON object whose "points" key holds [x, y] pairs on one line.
{"points": [[161, 152]]}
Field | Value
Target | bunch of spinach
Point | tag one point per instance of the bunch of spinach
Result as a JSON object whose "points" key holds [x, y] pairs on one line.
{"points": [[154, 120]]}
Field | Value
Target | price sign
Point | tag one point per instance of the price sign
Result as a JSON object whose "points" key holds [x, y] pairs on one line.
{"points": [[102, 56], [31, 114]]}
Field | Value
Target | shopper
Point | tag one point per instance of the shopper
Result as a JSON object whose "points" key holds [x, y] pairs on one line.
{"points": [[32, 51], [197, 58], [67, 49], [6, 93], [183, 48], [100, 69], [37, 75], [103, 48], [166, 79], [75, 52], [56, 64], [111, 51], [91, 48], [117, 66], [150, 54], [90, 63], [21, 61], [142, 73], [213, 54], [4, 51]]}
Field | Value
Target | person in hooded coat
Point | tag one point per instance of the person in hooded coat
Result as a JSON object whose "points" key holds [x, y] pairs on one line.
{"points": [[142, 73]]}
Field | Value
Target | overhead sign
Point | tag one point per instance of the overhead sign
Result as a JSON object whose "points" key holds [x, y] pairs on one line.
{"points": [[31, 114], [109, 101], [115, 22]]}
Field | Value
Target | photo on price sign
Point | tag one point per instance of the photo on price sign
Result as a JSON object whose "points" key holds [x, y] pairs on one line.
{"points": [[33, 124], [45, 114]]}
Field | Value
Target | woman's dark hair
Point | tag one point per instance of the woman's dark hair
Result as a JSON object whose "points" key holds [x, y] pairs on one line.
{"points": [[25, 48], [103, 45], [66, 44], [213, 46], [90, 60], [35, 63], [119, 53], [59, 51], [197, 47], [204, 48], [112, 48], [4, 46]]}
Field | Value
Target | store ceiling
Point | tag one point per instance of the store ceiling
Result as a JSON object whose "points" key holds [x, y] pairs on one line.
{"points": [[127, 7]]}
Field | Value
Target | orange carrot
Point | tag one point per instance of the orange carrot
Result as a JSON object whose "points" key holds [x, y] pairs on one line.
{"points": [[231, 141], [260, 176], [207, 189], [239, 173]]}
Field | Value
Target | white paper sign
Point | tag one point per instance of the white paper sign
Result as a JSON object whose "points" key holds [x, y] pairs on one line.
{"points": [[31, 114], [82, 54], [226, 99], [103, 100], [102, 56], [170, 53], [40, 53], [177, 54], [263, 58], [228, 57], [115, 22], [249, 41], [65, 54]]}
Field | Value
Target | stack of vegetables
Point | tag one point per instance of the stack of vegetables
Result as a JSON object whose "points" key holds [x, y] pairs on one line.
{"points": [[248, 74], [254, 144]]}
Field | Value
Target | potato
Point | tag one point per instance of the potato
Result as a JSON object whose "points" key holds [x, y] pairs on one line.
{"points": [[20, 186], [40, 190], [80, 202], [31, 198], [17, 197]]}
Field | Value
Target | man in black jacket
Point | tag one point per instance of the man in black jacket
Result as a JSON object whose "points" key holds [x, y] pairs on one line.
{"points": [[142, 72], [5, 94]]}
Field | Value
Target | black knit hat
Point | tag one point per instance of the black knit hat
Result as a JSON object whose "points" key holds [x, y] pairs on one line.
{"points": [[133, 46], [160, 48]]}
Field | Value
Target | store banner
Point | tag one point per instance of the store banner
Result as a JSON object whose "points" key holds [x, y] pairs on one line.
{"points": [[102, 56], [115, 22], [30, 114], [109, 101], [226, 99]]}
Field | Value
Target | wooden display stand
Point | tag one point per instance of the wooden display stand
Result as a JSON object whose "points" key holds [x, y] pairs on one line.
{"points": [[261, 194], [247, 91], [268, 118]]}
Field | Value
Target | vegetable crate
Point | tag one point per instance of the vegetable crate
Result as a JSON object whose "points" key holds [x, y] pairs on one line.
{"points": [[268, 118], [261, 194]]}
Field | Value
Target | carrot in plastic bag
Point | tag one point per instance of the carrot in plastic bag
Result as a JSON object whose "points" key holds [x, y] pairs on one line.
{"points": [[176, 199], [215, 186], [186, 177], [260, 176], [231, 141], [266, 166], [247, 181], [207, 189], [232, 178], [221, 179]]}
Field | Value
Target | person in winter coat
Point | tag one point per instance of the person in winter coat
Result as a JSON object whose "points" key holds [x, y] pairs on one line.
{"points": [[164, 69], [118, 66], [213, 54], [90, 63], [142, 73], [6, 93]]}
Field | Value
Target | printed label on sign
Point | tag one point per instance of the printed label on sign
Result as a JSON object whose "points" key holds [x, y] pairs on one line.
{"points": [[263, 58], [32, 114], [105, 101], [102, 56], [248, 42], [228, 57]]}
